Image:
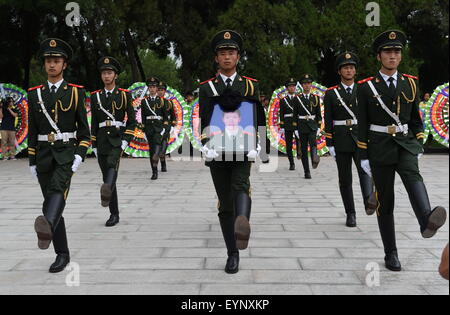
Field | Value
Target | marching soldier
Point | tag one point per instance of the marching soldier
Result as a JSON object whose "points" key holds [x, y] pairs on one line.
{"points": [[231, 178], [156, 121], [110, 107], [309, 122], [341, 131], [58, 140], [288, 118], [390, 137], [172, 118]]}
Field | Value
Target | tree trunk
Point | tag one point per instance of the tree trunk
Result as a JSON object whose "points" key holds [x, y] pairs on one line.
{"points": [[131, 51]]}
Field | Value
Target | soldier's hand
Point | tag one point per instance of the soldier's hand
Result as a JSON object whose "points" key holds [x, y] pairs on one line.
{"points": [[163, 132], [319, 132], [253, 154], [76, 163], [172, 130], [95, 152], [420, 156], [332, 152], [282, 131], [33, 171], [124, 145], [209, 153], [297, 135], [365, 165]]}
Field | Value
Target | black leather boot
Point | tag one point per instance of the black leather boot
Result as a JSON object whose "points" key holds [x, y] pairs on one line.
{"points": [[242, 230], [232, 266], [305, 162], [114, 210], [45, 225], [368, 193], [315, 157], [61, 262], [108, 187], [154, 173], [163, 165], [430, 221], [349, 205], [291, 163], [387, 230], [227, 226]]}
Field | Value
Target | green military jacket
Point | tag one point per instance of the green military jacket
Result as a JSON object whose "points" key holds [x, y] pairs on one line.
{"points": [[342, 138], [154, 124], [67, 109], [289, 113], [119, 105], [247, 87], [382, 148], [313, 106]]}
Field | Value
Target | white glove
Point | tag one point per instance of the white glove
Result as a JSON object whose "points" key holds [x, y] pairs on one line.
{"points": [[76, 163], [95, 152], [210, 153], [253, 154], [33, 171], [163, 132], [124, 145], [365, 164], [332, 152], [172, 130], [319, 132], [420, 156], [297, 134], [282, 130]]}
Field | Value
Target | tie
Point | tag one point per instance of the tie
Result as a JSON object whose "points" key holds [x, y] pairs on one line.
{"points": [[229, 82], [349, 91], [392, 88], [53, 88], [108, 95]]}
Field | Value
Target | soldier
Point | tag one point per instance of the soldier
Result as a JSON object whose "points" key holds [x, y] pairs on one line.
{"points": [[289, 106], [172, 118], [156, 121], [309, 122], [58, 140], [341, 131], [390, 134], [231, 178], [110, 107]]}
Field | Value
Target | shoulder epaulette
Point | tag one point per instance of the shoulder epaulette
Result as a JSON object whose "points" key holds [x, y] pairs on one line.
{"points": [[251, 79], [365, 80], [207, 81], [411, 76], [75, 85], [35, 88], [124, 90], [95, 92], [332, 88]]}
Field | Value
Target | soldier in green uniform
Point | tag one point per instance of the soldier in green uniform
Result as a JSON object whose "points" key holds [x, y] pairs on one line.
{"points": [[172, 118], [156, 121], [289, 106], [231, 178], [58, 140], [110, 134], [389, 141], [309, 122], [341, 131]]}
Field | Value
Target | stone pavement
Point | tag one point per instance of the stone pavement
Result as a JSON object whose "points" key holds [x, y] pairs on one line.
{"points": [[169, 239]]}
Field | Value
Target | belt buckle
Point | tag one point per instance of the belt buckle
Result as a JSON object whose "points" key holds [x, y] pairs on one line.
{"points": [[51, 138], [108, 123], [349, 122], [392, 130], [308, 118]]}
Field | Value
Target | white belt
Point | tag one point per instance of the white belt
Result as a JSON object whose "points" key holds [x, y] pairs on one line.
{"points": [[154, 117], [348, 122], [65, 136], [392, 130], [307, 117], [289, 115], [110, 123]]}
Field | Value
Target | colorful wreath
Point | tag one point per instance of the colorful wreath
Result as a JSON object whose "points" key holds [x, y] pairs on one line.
{"points": [[437, 114], [139, 146], [277, 139], [21, 101], [192, 125]]}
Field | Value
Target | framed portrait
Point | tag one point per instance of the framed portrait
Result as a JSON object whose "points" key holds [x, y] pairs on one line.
{"points": [[233, 133]]}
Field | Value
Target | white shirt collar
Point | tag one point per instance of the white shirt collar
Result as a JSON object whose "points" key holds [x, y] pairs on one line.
{"points": [[57, 84], [153, 97], [386, 77], [225, 78], [346, 86], [110, 91]]}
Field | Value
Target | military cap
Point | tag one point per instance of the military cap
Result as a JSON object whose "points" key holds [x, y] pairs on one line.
{"points": [[109, 63], [291, 81], [54, 47], [162, 85], [227, 39], [306, 78], [347, 58], [392, 39], [152, 81]]}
